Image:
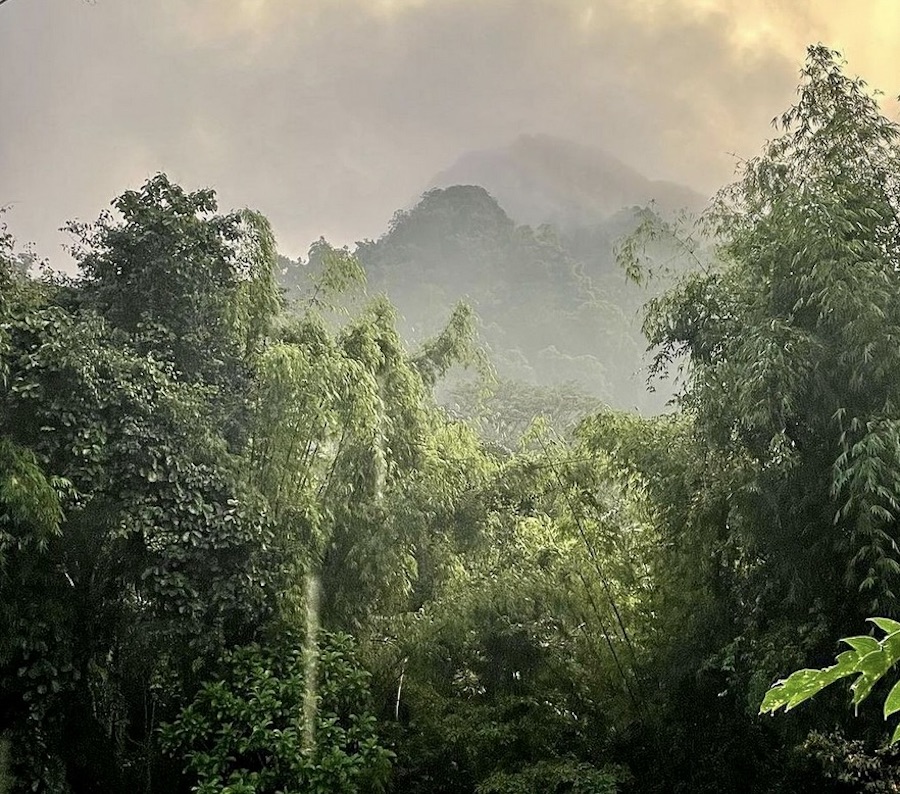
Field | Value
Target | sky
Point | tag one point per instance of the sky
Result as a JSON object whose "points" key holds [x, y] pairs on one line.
{"points": [[328, 115]]}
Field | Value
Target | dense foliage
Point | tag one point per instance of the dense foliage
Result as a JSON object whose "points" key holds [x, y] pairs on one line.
{"points": [[250, 731], [255, 541]]}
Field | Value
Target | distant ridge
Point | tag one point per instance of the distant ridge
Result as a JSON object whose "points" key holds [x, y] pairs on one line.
{"points": [[543, 179]]}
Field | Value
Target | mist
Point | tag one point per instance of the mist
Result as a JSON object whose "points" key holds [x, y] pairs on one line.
{"points": [[328, 116]]}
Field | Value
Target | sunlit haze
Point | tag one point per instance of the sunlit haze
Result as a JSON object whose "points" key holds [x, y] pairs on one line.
{"points": [[328, 115]]}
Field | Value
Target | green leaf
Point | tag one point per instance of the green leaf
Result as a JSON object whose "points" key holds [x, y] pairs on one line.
{"points": [[892, 702], [887, 625], [801, 686], [874, 665], [864, 644], [871, 668]]}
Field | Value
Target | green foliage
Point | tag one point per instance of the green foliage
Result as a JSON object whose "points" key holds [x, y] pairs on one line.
{"points": [[5, 778], [17, 293], [510, 673], [133, 550], [504, 411], [173, 469], [646, 253], [851, 763], [30, 510], [774, 491], [244, 731], [336, 271], [536, 600], [342, 429], [456, 344], [194, 289], [161, 560], [869, 659], [793, 370], [560, 776], [255, 301], [328, 281]]}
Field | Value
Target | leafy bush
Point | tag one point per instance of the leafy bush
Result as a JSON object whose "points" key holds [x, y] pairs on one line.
{"points": [[246, 733], [555, 776], [848, 761]]}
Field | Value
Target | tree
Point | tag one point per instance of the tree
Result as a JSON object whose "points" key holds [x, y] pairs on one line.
{"points": [[193, 289], [777, 494], [512, 672], [134, 551], [793, 368]]}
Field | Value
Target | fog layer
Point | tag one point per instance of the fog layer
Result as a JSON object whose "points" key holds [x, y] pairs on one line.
{"points": [[329, 114]]}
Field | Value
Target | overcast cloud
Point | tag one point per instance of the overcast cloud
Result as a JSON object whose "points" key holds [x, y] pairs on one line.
{"points": [[328, 115]]}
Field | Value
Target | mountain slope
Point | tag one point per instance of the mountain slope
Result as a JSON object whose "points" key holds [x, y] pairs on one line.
{"points": [[549, 315], [554, 306]]}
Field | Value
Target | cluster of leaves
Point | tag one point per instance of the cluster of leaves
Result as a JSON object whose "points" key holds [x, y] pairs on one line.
{"points": [[244, 732], [869, 659], [851, 764]]}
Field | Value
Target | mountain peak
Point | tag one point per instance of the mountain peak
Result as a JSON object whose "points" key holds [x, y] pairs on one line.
{"points": [[541, 178]]}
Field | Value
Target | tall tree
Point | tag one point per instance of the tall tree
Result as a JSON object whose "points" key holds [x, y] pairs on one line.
{"points": [[791, 392], [134, 552], [193, 289]]}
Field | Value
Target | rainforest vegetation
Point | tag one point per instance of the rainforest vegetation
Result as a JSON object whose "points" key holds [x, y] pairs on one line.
{"points": [[261, 531]]}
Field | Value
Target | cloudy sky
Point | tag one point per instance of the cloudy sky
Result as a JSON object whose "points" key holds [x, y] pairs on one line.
{"points": [[328, 115]]}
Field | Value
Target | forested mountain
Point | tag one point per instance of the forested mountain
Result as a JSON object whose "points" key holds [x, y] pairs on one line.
{"points": [[546, 318], [555, 308], [245, 550]]}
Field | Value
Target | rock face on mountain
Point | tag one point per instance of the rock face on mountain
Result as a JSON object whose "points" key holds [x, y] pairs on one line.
{"points": [[542, 179]]}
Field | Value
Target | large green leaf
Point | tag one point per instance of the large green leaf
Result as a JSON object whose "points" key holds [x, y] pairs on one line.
{"points": [[869, 660]]}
